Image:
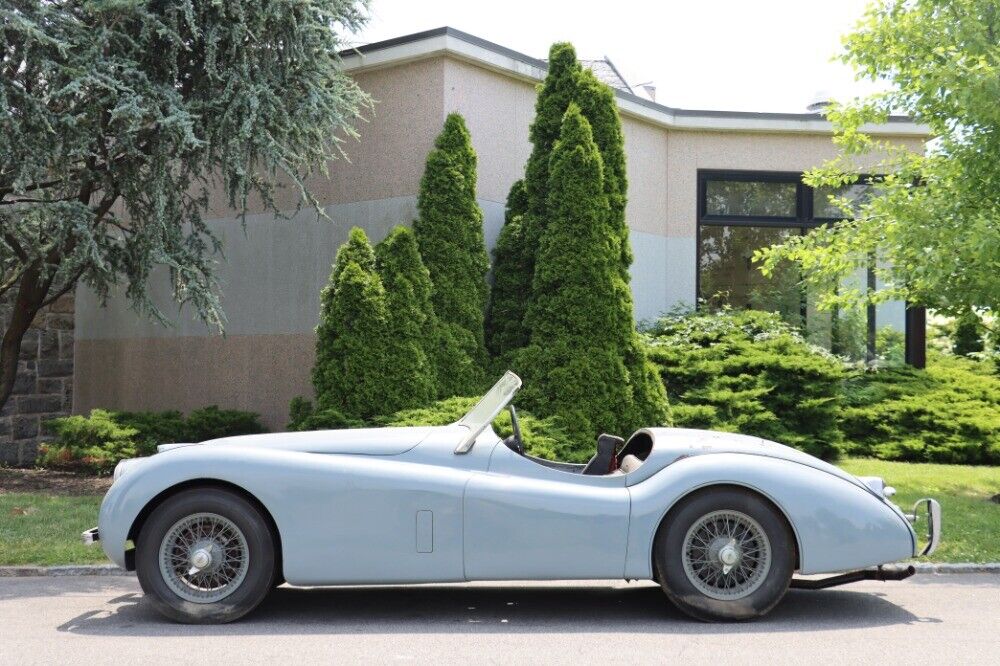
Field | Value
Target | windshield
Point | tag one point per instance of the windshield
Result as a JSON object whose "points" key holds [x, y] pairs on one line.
{"points": [[484, 411]]}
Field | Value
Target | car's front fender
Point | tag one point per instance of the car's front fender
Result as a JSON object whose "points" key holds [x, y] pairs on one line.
{"points": [[146, 478], [838, 525]]}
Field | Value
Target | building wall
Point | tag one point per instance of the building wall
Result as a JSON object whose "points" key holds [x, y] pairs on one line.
{"points": [[273, 274]]}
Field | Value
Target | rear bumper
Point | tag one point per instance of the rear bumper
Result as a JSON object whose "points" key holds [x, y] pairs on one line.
{"points": [[927, 510], [90, 537]]}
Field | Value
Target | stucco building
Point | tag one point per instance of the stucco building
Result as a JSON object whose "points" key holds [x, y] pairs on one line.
{"points": [[705, 189]]}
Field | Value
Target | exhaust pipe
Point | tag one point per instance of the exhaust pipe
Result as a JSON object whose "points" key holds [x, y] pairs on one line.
{"points": [[879, 573]]}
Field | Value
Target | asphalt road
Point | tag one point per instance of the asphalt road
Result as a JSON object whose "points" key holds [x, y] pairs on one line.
{"points": [[929, 619]]}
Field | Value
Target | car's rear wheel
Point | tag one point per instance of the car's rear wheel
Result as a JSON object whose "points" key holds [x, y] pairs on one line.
{"points": [[205, 556], [725, 554]]}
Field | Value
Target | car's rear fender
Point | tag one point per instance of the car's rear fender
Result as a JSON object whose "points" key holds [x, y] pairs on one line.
{"points": [[838, 525]]}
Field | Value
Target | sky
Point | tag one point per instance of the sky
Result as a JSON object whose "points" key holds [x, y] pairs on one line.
{"points": [[741, 55]]}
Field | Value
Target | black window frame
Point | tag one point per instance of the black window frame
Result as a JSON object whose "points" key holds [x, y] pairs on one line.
{"points": [[915, 326], [802, 220], [803, 198]]}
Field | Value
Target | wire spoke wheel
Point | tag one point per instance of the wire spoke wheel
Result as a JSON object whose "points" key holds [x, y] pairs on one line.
{"points": [[204, 558], [726, 555]]}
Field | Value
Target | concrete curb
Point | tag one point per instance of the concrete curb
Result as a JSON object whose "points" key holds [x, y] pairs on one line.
{"points": [[957, 568], [113, 570], [65, 570]]}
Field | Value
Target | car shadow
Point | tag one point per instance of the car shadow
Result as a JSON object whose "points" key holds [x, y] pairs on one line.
{"points": [[633, 609]]}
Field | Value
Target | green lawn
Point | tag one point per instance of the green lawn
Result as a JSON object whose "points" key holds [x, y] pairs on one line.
{"points": [[42, 529], [45, 529], [970, 522]]}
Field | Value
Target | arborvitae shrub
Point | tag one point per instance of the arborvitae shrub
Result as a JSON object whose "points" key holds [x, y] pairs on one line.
{"points": [[749, 372], [968, 337], [449, 233], [598, 104], [351, 374], [512, 275], [584, 364], [412, 325]]}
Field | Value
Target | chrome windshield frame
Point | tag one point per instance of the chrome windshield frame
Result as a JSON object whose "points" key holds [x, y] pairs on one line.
{"points": [[489, 406]]}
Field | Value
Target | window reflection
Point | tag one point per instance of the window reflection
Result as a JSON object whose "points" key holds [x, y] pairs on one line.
{"points": [[729, 276], [749, 198], [855, 193]]}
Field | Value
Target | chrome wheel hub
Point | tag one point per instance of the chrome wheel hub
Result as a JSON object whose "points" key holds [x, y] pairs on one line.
{"points": [[726, 555], [204, 558]]}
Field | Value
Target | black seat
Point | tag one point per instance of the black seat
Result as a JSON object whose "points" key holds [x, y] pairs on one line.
{"points": [[607, 447]]}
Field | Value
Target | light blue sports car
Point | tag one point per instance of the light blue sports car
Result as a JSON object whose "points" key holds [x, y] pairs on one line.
{"points": [[721, 521]]}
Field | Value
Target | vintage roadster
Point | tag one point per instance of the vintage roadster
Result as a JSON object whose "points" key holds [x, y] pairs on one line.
{"points": [[721, 521]]}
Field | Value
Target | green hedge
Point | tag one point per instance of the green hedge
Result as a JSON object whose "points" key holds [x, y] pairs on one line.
{"points": [[749, 372], [948, 413], [96, 443]]}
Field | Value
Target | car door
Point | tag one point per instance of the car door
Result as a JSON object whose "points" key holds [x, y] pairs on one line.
{"points": [[523, 520]]}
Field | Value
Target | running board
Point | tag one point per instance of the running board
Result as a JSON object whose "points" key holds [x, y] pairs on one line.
{"points": [[852, 577]]}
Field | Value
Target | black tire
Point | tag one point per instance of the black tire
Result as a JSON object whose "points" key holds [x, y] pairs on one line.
{"points": [[260, 572], [669, 545]]}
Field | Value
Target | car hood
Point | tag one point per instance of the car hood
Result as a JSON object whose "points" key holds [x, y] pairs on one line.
{"points": [[358, 441], [672, 444]]}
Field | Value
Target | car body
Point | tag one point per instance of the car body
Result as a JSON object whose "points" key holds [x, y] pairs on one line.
{"points": [[457, 503]]}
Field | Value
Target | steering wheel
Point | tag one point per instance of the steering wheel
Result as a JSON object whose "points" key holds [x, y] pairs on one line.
{"points": [[515, 443]]}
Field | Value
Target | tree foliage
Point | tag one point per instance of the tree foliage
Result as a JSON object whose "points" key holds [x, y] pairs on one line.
{"points": [[934, 222], [968, 338], [412, 322], [117, 119], [528, 210], [449, 233], [512, 277], [377, 337], [585, 363]]}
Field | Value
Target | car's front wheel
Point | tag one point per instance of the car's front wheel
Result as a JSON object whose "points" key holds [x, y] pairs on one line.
{"points": [[205, 555], [725, 554]]}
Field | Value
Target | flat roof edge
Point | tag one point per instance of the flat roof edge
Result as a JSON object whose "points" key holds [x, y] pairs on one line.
{"points": [[448, 40]]}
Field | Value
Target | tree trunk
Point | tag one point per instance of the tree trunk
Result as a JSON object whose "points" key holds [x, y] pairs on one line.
{"points": [[30, 295]]}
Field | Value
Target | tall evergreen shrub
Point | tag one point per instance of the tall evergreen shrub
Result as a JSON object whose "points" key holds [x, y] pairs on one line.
{"points": [[566, 82], [585, 363], [968, 337], [412, 324], [517, 246], [512, 275], [365, 363], [449, 233], [598, 105]]}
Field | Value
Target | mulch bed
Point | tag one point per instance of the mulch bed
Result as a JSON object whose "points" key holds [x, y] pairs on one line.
{"points": [[50, 482]]}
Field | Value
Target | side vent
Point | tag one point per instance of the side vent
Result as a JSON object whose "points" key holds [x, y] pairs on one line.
{"points": [[425, 531]]}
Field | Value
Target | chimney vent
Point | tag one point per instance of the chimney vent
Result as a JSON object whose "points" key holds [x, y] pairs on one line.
{"points": [[820, 100]]}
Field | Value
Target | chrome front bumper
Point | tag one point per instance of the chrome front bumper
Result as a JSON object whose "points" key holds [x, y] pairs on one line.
{"points": [[929, 510], [90, 537]]}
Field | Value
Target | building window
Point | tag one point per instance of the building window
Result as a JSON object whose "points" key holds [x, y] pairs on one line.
{"points": [[741, 212], [743, 198]]}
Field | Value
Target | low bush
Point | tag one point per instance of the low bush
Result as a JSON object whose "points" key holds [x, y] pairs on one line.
{"points": [[88, 444], [96, 443], [948, 413], [749, 372], [303, 416], [211, 423]]}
